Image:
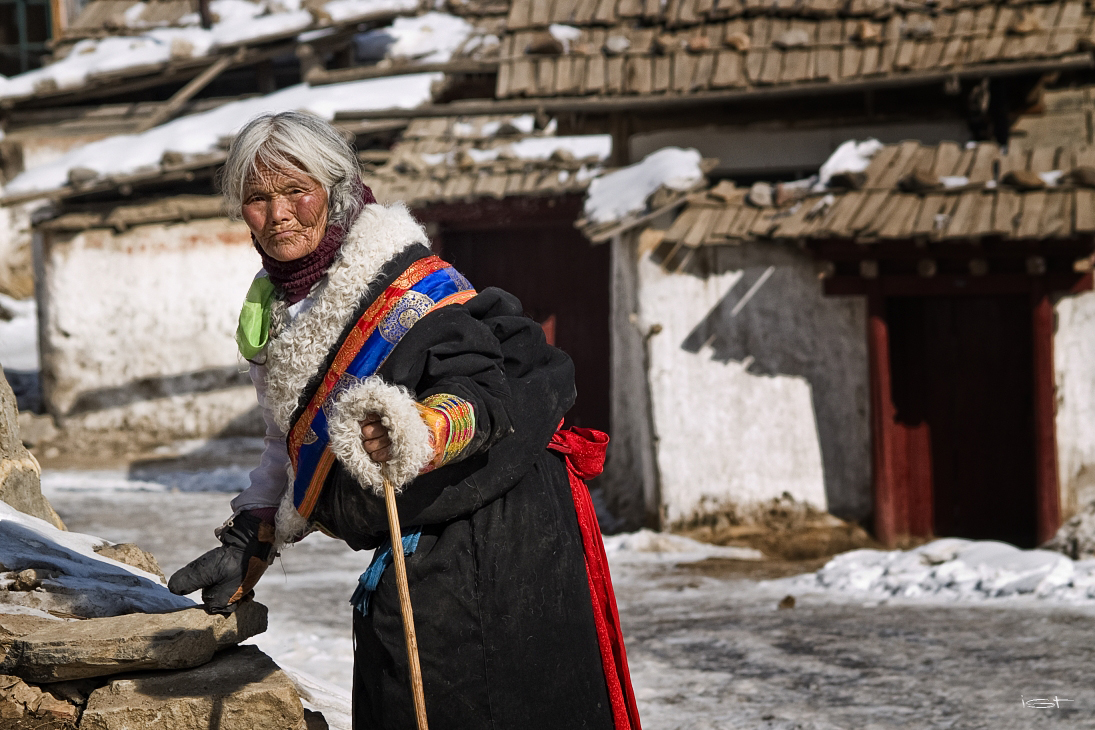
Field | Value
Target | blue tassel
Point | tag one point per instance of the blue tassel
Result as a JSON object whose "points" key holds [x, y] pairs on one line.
{"points": [[382, 558]]}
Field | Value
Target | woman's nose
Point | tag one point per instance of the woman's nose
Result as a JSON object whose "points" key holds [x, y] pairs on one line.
{"points": [[280, 210]]}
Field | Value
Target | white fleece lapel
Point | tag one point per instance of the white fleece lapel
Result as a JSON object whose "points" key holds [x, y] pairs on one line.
{"points": [[297, 353]]}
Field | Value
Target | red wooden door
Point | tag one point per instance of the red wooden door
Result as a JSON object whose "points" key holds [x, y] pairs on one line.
{"points": [[962, 388], [563, 283]]}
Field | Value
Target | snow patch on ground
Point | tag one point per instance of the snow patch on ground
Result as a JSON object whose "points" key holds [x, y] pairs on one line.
{"points": [[18, 335], [647, 545], [953, 569], [206, 133], [851, 156], [334, 702], [614, 196], [81, 582]]}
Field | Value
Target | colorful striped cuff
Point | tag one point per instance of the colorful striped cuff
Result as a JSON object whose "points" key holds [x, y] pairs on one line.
{"points": [[451, 422]]}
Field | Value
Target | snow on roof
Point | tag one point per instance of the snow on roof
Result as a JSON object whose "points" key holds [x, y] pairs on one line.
{"points": [[580, 147], [98, 586], [851, 156], [429, 38], [617, 194], [205, 133], [237, 22]]}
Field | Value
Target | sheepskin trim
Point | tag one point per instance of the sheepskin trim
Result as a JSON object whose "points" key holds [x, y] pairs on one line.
{"points": [[412, 448], [298, 352], [289, 526]]}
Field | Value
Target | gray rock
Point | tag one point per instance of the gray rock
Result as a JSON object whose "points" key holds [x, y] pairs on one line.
{"points": [[20, 475], [130, 554], [242, 689], [101, 647]]}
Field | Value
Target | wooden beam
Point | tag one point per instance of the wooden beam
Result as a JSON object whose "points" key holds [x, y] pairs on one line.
{"points": [[652, 102], [1048, 509], [58, 17], [882, 420], [949, 285], [186, 93], [319, 76]]}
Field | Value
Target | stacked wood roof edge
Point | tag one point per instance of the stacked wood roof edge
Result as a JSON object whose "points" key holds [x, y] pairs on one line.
{"points": [[984, 207], [435, 163], [772, 44]]}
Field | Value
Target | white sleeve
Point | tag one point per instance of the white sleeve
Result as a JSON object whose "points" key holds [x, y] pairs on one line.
{"points": [[269, 480]]}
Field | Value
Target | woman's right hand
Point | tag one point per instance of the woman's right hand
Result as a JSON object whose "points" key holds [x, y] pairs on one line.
{"points": [[374, 436], [228, 573]]}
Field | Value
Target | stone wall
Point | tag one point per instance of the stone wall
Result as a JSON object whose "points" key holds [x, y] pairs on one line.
{"points": [[137, 328]]}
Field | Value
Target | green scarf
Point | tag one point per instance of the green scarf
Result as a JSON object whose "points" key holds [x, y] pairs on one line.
{"points": [[253, 331]]}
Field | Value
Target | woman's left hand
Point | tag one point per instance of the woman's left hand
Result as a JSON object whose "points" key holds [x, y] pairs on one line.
{"points": [[375, 438]]}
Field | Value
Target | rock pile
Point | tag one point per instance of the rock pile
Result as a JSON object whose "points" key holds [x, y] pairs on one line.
{"points": [[91, 639]]}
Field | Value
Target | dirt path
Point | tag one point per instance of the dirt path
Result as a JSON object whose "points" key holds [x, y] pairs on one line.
{"points": [[709, 649]]}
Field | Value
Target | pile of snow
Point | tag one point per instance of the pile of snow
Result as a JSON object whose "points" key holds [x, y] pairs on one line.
{"points": [[18, 334], [429, 38], [614, 196], [851, 156], [202, 134], [237, 22], [646, 545], [80, 580], [955, 569]]}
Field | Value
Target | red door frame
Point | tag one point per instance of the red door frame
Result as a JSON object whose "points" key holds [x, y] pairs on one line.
{"points": [[893, 508]]}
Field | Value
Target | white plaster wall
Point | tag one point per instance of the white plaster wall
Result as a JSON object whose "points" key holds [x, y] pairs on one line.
{"points": [[723, 434], [1074, 362], [38, 148], [758, 384], [151, 310]]}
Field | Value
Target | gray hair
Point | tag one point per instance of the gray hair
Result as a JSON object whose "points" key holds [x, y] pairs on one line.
{"points": [[298, 141]]}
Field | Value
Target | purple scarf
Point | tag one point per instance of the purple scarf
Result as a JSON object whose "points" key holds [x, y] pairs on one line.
{"points": [[297, 277]]}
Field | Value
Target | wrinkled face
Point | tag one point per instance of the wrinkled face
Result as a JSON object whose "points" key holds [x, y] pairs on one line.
{"points": [[286, 210]]}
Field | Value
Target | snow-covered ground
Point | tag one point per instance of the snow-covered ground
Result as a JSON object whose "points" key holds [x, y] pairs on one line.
{"points": [[708, 649]]}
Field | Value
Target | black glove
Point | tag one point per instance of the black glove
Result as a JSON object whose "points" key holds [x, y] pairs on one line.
{"points": [[228, 573]]}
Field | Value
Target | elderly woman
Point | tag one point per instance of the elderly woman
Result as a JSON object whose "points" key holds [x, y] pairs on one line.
{"points": [[373, 358]]}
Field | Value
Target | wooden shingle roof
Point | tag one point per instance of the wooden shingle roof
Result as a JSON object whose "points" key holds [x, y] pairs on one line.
{"points": [[913, 193], [650, 47], [458, 159]]}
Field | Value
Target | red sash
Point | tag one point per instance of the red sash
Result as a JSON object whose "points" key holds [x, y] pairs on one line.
{"points": [[584, 449]]}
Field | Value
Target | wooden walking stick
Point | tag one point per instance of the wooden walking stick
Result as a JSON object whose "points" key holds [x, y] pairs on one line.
{"points": [[405, 605]]}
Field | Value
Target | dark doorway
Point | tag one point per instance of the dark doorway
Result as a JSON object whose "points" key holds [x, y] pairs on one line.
{"points": [[962, 385], [562, 282]]}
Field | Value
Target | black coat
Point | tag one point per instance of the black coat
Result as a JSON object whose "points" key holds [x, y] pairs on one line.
{"points": [[498, 582]]}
